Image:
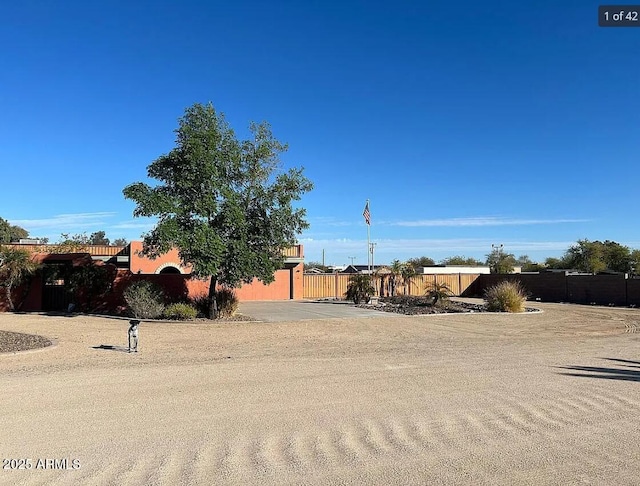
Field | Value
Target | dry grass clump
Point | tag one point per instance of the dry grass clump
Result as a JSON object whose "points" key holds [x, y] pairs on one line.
{"points": [[227, 302], [506, 297]]}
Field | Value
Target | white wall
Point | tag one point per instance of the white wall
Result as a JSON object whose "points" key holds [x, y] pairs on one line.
{"points": [[449, 269]]}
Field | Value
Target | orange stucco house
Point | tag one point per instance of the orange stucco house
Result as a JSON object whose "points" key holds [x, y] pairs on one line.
{"points": [[127, 265]]}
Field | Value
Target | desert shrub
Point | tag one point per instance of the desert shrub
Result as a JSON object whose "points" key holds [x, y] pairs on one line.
{"points": [[180, 311], [439, 292], [506, 297], [201, 304], [145, 299], [360, 289], [227, 302]]}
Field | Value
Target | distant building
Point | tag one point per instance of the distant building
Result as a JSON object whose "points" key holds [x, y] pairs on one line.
{"points": [[361, 269]]}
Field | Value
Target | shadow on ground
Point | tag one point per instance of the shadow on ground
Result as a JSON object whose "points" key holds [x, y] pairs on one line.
{"points": [[111, 347], [627, 370]]}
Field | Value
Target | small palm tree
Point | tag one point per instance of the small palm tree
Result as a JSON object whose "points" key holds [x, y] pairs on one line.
{"points": [[439, 292], [15, 266], [396, 272], [360, 288], [407, 272]]}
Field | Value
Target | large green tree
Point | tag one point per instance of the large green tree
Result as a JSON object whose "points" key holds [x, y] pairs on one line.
{"points": [[635, 262], [9, 233], [98, 238], [597, 256], [500, 261], [225, 204]]}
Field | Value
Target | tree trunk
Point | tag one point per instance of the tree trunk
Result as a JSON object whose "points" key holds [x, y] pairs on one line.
{"points": [[9, 301], [213, 303]]}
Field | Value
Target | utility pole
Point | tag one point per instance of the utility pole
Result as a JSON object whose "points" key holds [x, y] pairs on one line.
{"points": [[373, 249], [352, 259], [323, 257]]}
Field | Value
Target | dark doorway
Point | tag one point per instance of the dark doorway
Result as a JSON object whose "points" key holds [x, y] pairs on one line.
{"points": [[55, 293]]}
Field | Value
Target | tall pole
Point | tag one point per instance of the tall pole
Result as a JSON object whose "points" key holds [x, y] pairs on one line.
{"points": [[497, 249], [373, 249], [368, 240]]}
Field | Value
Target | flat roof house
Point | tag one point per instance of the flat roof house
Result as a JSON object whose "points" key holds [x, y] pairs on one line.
{"points": [[49, 289]]}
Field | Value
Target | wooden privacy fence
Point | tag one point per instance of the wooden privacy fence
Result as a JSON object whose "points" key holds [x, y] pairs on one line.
{"points": [[334, 285], [558, 287]]}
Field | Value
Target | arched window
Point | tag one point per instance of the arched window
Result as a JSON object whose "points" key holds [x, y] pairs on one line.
{"points": [[170, 268]]}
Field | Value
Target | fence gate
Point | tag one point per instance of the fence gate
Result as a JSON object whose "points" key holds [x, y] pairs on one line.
{"points": [[55, 293]]}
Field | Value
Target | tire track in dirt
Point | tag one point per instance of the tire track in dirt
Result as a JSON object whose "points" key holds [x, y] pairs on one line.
{"points": [[264, 454]]}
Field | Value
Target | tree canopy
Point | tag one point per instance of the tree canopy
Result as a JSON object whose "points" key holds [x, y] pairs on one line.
{"points": [[500, 261], [79, 241], [598, 256], [462, 260], [10, 233], [98, 238], [225, 204], [418, 262], [120, 242]]}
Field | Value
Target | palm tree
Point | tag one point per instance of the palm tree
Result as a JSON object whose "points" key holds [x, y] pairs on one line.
{"points": [[407, 272], [360, 289], [396, 272], [15, 266], [439, 292]]}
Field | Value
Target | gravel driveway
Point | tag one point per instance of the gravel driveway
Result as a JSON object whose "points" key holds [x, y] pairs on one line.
{"points": [[545, 398]]}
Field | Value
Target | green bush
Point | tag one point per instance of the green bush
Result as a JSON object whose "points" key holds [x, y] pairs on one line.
{"points": [[360, 289], [180, 311], [506, 297], [145, 299]]}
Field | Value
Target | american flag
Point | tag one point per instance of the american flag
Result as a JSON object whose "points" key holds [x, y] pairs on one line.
{"points": [[367, 214]]}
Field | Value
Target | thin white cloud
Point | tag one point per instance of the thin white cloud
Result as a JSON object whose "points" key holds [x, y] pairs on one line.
{"points": [[328, 221], [65, 221], [339, 249], [483, 221], [79, 223], [144, 225]]}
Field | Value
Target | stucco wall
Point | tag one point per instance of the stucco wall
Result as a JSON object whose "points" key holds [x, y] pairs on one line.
{"points": [[143, 264]]}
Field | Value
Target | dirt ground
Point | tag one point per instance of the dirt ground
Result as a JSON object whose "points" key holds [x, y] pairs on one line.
{"points": [[540, 398]]}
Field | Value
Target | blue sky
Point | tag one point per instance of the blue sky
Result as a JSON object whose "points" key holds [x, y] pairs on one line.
{"points": [[466, 124]]}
